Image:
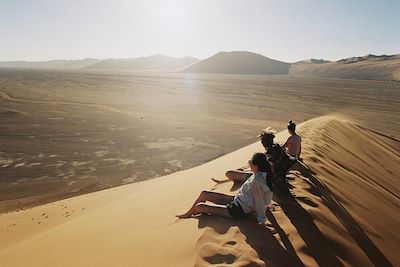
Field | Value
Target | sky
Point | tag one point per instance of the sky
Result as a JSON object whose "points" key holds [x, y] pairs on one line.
{"points": [[286, 30]]}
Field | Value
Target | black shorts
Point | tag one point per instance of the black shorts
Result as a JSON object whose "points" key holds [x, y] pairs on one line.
{"points": [[235, 210]]}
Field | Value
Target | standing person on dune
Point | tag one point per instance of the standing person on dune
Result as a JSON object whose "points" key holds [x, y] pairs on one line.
{"points": [[253, 195], [293, 143]]}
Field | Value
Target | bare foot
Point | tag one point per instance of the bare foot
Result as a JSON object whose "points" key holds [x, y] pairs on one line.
{"points": [[183, 216], [269, 224], [271, 229], [220, 181]]}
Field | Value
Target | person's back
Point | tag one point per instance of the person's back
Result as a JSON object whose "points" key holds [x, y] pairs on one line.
{"points": [[280, 163], [293, 143]]}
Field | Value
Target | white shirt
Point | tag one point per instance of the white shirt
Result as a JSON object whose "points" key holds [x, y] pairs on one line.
{"points": [[254, 194]]}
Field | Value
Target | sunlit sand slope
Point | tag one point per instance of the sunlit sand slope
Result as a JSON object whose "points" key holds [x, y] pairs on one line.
{"points": [[369, 67], [340, 210]]}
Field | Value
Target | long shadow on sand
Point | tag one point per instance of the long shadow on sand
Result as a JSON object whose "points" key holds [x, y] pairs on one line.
{"points": [[323, 250], [309, 231], [259, 238], [318, 246], [265, 244]]}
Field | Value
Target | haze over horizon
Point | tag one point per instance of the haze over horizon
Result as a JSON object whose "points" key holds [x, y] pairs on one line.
{"points": [[289, 31]]}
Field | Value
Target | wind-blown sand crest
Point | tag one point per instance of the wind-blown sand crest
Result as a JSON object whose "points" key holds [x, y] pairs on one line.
{"points": [[341, 210]]}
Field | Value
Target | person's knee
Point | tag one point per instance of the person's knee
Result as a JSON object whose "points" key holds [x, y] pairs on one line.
{"points": [[204, 195], [205, 192], [231, 174], [200, 208]]}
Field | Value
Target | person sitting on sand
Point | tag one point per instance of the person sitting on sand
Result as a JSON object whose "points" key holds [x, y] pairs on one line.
{"points": [[280, 161], [253, 195], [293, 143]]}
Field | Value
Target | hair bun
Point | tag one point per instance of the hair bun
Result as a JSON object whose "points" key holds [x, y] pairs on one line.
{"points": [[291, 126]]}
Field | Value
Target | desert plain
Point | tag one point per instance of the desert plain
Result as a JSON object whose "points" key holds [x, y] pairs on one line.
{"points": [[138, 137]]}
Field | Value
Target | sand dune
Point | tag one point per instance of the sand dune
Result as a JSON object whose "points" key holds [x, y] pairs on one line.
{"points": [[312, 61], [65, 134], [369, 67], [239, 62], [341, 210]]}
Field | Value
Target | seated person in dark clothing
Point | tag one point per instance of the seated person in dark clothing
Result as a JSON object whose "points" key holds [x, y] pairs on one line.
{"points": [[280, 161]]}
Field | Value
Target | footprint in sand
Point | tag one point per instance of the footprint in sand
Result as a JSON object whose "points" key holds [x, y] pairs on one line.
{"points": [[229, 249]]}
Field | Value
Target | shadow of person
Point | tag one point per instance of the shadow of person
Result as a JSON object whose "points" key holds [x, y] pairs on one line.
{"points": [[307, 229], [318, 246], [258, 237]]}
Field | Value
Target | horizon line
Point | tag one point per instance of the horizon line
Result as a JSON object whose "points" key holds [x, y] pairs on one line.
{"points": [[200, 59]]}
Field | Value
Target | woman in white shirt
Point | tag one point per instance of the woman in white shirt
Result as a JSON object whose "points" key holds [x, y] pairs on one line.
{"points": [[253, 195]]}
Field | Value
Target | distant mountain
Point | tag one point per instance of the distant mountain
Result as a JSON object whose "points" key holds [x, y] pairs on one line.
{"points": [[51, 64], [367, 58], [312, 61], [370, 67], [239, 62], [158, 62]]}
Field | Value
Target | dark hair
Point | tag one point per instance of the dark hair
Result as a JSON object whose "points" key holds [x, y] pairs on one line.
{"points": [[291, 126], [260, 160], [267, 139]]}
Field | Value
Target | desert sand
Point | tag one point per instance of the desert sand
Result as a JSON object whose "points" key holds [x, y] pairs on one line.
{"points": [[66, 133], [341, 209]]}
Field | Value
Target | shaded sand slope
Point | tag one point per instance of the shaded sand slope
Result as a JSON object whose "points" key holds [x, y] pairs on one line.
{"points": [[340, 210], [362, 169]]}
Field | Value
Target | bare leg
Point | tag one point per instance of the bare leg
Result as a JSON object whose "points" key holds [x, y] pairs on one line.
{"points": [[217, 198], [237, 176], [203, 208]]}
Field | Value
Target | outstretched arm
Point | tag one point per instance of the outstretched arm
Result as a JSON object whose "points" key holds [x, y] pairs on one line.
{"points": [[299, 153]]}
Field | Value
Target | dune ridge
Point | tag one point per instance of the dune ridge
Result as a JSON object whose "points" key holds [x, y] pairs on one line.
{"points": [[368, 67], [339, 210]]}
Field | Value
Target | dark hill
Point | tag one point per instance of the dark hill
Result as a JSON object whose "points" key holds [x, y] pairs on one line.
{"points": [[239, 62]]}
